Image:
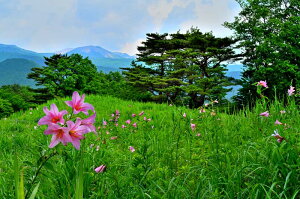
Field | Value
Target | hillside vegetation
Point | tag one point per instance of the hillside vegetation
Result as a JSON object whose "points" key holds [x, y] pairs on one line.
{"points": [[222, 156]]}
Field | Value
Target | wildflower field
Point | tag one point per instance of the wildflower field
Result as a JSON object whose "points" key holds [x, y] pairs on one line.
{"points": [[146, 150]]}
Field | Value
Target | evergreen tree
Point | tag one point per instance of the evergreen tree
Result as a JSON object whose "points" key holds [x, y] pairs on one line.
{"points": [[64, 74], [185, 67]]}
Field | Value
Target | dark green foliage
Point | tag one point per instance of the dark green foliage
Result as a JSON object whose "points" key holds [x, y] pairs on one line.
{"points": [[114, 84], [19, 97], [269, 32], [185, 67], [64, 74], [5, 108]]}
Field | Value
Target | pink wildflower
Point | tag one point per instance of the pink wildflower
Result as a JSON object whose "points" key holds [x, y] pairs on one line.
{"points": [[133, 115], [198, 134], [123, 126], [117, 112], [78, 105], [145, 118], [59, 135], [193, 126], [100, 169], [53, 116], [262, 83], [134, 125], [141, 113], [116, 124], [104, 123], [131, 149], [277, 122], [184, 115], [113, 115], [128, 122], [89, 123], [76, 131], [206, 105], [149, 119], [265, 114], [291, 90], [114, 138], [215, 101]]}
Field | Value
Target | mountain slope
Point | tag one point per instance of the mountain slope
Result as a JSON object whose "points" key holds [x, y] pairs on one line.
{"points": [[15, 71], [12, 51], [98, 52]]}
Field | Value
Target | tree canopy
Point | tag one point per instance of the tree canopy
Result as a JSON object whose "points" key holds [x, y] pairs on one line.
{"points": [[187, 67], [268, 32], [63, 74]]}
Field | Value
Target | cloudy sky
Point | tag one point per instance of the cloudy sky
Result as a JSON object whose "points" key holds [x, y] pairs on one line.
{"points": [[117, 25]]}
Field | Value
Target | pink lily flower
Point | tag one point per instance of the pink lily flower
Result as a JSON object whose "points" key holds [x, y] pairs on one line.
{"points": [[78, 105], [262, 83], [141, 113], [100, 169], [59, 135], [123, 126], [114, 138], [128, 122], [145, 118], [198, 134], [53, 116], [89, 123], [277, 122], [291, 90], [134, 125], [131, 149], [133, 115], [193, 126], [117, 112], [184, 115], [104, 123], [76, 131], [265, 114]]}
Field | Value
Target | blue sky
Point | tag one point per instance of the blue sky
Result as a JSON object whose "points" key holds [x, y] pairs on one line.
{"points": [[117, 25]]}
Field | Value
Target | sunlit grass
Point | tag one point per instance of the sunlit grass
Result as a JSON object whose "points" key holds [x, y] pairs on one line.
{"points": [[235, 155]]}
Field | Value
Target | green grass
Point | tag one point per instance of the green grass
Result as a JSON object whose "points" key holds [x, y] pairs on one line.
{"points": [[235, 156]]}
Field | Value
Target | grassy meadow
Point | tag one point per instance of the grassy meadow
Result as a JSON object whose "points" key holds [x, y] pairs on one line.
{"points": [[225, 156]]}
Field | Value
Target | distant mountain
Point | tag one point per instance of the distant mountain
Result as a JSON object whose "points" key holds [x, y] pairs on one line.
{"points": [[12, 51], [14, 71], [99, 52]]}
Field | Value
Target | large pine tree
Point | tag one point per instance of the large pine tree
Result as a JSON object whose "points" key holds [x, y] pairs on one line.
{"points": [[185, 67]]}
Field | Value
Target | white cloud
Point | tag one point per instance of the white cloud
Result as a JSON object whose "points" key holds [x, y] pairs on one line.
{"points": [[160, 10], [211, 16], [131, 47]]}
